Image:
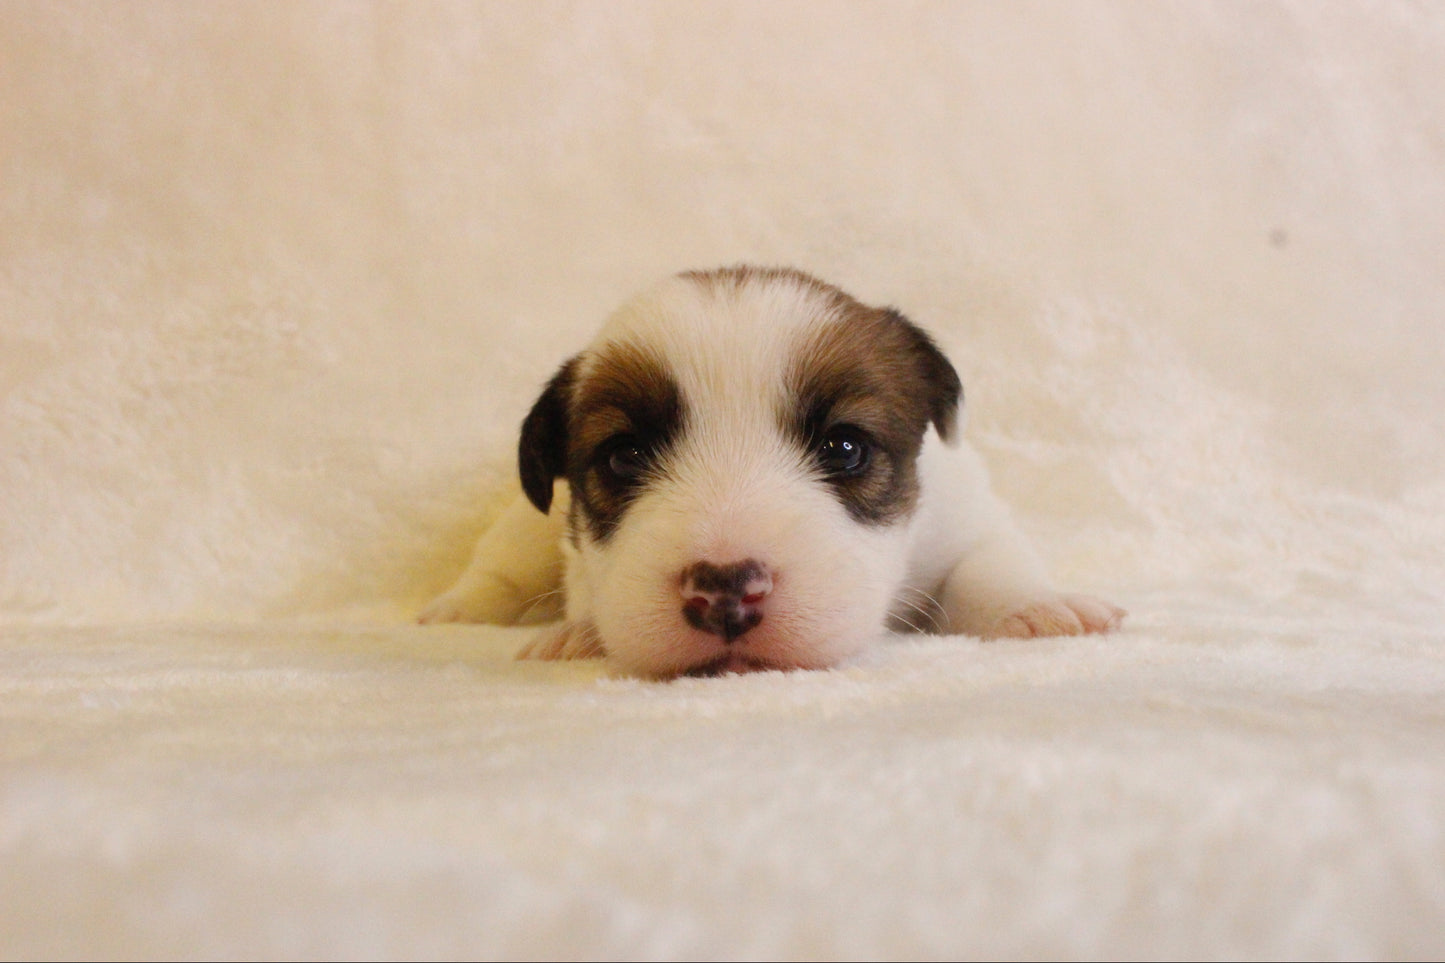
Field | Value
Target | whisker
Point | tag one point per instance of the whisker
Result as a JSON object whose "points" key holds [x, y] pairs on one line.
{"points": [[536, 601], [926, 606]]}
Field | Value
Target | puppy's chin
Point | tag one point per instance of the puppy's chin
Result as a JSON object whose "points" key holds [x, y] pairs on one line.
{"points": [[683, 653], [732, 664]]}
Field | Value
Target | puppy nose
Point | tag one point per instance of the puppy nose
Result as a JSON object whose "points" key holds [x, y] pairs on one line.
{"points": [[725, 600]]}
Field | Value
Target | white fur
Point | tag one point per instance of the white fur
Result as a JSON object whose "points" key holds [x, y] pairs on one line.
{"points": [[737, 488]]}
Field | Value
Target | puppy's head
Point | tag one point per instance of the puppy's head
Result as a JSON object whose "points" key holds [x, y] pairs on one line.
{"points": [[740, 447]]}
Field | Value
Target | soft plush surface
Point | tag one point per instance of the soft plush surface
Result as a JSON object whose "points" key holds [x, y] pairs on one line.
{"points": [[279, 280]]}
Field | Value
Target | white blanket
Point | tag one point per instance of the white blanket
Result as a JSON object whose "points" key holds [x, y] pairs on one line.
{"points": [[278, 282]]}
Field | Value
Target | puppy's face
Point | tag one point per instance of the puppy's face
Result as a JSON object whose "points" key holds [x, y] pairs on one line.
{"points": [[740, 447]]}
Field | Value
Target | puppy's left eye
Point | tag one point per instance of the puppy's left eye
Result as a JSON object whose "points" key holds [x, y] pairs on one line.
{"points": [[626, 458], [844, 452]]}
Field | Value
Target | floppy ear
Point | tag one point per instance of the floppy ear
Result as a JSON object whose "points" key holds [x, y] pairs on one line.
{"points": [[542, 451], [943, 391]]}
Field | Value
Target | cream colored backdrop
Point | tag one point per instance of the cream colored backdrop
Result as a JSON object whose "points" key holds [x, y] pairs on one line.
{"points": [[277, 280]]}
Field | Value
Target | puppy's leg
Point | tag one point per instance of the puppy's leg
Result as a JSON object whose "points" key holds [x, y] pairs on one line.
{"points": [[515, 572], [998, 589]]}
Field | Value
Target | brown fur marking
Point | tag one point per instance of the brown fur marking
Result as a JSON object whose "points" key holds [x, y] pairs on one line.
{"points": [[874, 370], [627, 397]]}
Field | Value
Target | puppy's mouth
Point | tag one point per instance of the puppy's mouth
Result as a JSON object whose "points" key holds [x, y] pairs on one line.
{"points": [[731, 663]]}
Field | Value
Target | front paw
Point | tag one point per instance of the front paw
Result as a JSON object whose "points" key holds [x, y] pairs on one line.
{"points": [[1061, 615], [570, 640]]}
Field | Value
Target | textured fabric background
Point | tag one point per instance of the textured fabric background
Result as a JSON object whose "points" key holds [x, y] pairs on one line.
{"points": [[279, 280]]}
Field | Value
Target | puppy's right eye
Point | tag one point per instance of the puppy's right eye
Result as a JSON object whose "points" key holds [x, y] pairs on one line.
{"points": [[844, 452]]}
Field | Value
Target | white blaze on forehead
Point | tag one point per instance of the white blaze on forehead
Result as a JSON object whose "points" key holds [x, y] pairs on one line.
{"points": [[726, 342]]}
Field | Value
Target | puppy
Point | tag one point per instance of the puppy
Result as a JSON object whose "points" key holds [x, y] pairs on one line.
{"points": [[749, 469]]}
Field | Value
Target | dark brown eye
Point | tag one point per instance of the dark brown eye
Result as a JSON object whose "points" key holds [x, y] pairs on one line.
{"points": [[624, 458], [844, 452]]}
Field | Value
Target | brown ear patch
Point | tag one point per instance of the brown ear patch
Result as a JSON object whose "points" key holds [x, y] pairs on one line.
{"points": [[873, 370], [625, 414]]}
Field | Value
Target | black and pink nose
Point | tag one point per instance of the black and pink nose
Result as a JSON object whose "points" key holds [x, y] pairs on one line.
{"points": [[725, 600]]}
